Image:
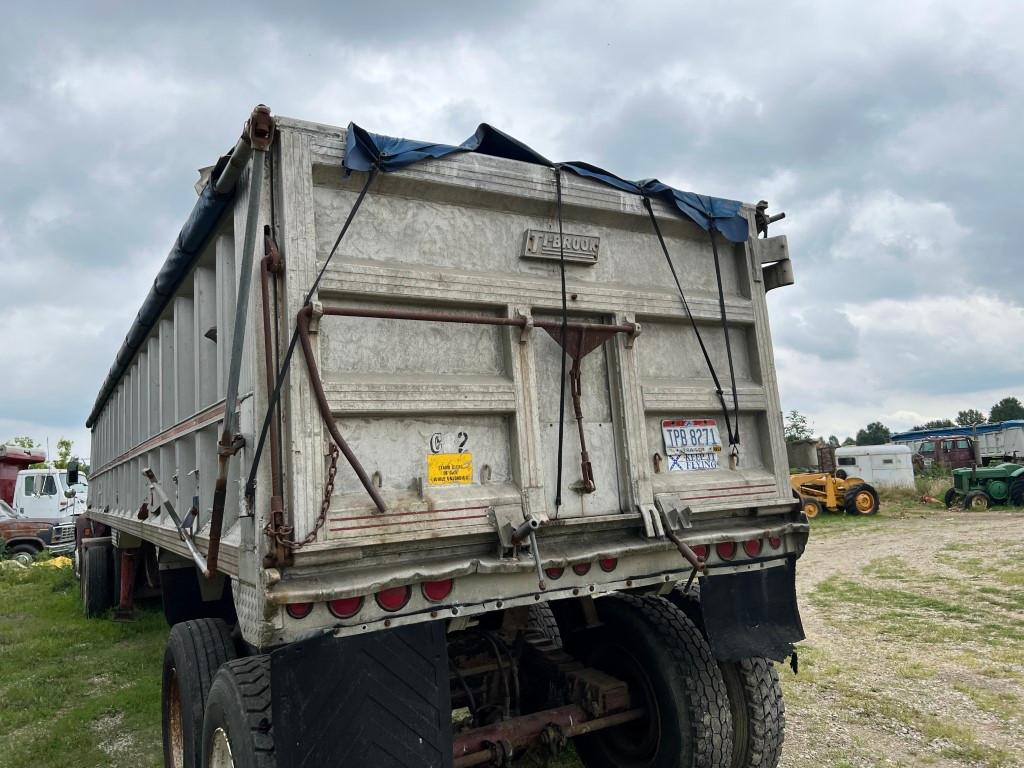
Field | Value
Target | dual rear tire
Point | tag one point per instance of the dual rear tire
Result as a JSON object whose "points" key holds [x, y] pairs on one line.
{"points": [[196, 650], [755, 697], [667, 663]]}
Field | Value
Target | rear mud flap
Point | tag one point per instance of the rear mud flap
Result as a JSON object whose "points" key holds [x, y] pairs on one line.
{"points": [[374, 699], [752, 614]]}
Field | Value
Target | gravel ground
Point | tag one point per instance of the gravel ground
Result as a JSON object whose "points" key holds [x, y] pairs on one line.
{"points": [[915, 643]]}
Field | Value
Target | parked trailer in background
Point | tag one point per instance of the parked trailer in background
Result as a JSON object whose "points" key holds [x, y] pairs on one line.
{"points": [[884, 466], [496, 445], [961, 446]]}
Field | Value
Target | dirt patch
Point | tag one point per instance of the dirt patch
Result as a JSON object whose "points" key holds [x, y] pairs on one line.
{"points": [[112, 738], [913, 653]]}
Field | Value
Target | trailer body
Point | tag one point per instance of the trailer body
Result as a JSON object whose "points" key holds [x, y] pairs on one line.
{"points": [[436, 335], [960, 446]]}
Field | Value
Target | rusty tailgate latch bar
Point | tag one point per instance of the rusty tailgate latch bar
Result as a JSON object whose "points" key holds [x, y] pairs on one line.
{"points": [[581, 340]]}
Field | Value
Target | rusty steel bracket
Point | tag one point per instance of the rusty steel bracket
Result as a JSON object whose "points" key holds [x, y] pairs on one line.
{"points": [[183, 532], [229, 447], [259, 128], [527, 328], [676, 520], [275, 262], [580, 341]]}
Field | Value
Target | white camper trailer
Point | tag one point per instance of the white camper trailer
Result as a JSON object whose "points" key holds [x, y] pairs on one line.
{"points": [[886, 466]]}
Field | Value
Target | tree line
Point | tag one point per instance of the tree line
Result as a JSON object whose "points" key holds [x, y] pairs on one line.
{"points": [[797, 427], [64, 447]]}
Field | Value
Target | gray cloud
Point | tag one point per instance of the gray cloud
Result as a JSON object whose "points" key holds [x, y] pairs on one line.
{"points": [[892, 146]]}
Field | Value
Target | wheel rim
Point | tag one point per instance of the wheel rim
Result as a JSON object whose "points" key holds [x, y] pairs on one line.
{"points": [[634, 744], [865, 503], [175, 735], [24, 558], [220, 752], [979, 503], [811, 509]]}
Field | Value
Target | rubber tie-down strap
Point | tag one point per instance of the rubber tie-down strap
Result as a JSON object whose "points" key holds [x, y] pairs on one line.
{"points": [[734, 437], [562, 344], [250, 483], [693, 323]]}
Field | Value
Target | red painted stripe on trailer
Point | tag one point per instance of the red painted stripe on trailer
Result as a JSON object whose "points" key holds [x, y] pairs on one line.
{"points": [[382, 524]]}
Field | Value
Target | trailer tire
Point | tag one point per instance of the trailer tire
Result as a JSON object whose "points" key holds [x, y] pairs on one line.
{"points": [[195, 651], [96, 581], [949, 498], [238, 724], [542, 620], [758, 712], [755, 696], [861, 500], [667, 662]]}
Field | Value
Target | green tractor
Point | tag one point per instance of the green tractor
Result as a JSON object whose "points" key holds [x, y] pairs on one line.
{"points": [[983, 487]]}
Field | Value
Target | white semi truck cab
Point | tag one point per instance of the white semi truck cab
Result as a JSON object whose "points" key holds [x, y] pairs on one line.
{"points": [[46, 494], [444, 454]]}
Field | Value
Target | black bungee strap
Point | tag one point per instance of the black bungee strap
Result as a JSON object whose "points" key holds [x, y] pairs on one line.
{"points": [[250, 483], [562, 344], [734, 436]]}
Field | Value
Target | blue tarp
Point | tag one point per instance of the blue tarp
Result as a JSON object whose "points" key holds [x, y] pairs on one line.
{"points": [[923, 434], [200, 223], [365, 150]]}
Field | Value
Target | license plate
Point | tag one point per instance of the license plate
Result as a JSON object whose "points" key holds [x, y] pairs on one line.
{"points": [[691, 444]]}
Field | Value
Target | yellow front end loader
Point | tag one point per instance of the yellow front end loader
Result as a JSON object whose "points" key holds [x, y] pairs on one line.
{"points": [[834, 492]]}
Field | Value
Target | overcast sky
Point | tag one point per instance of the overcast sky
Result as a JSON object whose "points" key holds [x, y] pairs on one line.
{"points": [[889, 133]]}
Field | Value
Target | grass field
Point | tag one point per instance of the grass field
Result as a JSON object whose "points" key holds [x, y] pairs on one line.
{"points": [[914, 654]]}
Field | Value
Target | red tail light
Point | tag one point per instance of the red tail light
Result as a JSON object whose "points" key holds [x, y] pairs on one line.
{"points": [[700, 550], [394, 599], [581, 569], [346, 607], [608, 564], [752, 547], [436, 591], [726, 549], [299, 610], [554, 573], [775, 541]]}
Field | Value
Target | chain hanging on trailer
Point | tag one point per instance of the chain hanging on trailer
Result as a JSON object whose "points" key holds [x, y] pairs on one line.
{"points": [[281, 533]]}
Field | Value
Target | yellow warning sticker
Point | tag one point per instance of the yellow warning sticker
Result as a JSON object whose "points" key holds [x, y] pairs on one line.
{"points": [[449, 469]]}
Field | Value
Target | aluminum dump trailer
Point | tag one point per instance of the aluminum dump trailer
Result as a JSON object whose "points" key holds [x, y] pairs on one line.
{"points": [[499, 450]]}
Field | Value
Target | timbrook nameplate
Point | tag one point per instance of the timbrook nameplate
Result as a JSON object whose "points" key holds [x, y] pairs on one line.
{"points": [[541, 244]]}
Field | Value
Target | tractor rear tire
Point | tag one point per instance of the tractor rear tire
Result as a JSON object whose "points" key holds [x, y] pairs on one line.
{"points": [[668, 664], [195, 651], [950, 498], [811, 507], [977, 501], [861, 500], [238, 728], [1017, 492]]}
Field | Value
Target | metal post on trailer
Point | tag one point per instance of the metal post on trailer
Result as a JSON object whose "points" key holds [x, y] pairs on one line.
{"points": [[259, 135]]}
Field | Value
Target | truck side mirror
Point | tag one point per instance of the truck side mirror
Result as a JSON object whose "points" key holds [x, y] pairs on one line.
{"points": [[69, 493], [72, 472]]}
